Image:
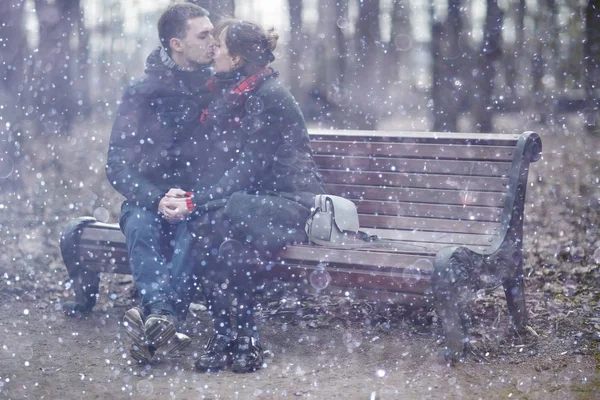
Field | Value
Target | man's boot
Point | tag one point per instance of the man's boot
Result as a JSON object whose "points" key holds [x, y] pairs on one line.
{"points": [[134, 320]]}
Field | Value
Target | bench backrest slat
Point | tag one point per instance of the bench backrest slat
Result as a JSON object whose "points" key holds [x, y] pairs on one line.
{"points": [[445, 211], [424, 181], [415, 150], [428, 224], [405, 165], [418, 195]]}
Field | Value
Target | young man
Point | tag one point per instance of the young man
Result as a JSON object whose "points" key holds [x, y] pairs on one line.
{"points": [[145, 162]]}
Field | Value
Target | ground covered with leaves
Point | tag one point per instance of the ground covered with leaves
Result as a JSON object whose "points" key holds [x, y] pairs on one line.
{"points": [[321, 346]]}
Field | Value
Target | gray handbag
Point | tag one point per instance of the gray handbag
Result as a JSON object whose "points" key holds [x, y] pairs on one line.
{"points": [[334, 223]]}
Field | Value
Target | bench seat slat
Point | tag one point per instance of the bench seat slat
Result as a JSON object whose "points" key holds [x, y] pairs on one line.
{"points": [[431, 151], [443, 211], [356, 258], [108, 235], [395, 179], [400, 280], [428, 224], [406, 165], [429, 196], [95, 252], [116, 238]]}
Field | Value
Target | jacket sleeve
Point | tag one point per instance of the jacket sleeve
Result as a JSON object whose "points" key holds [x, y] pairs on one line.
{"points": [[255, 158], [124, 153]]}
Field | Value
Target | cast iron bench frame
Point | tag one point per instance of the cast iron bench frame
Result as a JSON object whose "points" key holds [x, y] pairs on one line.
{"points": [[461, 196]]}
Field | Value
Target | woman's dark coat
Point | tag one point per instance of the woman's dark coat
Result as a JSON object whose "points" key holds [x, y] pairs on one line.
{"points": [[268, 188]]}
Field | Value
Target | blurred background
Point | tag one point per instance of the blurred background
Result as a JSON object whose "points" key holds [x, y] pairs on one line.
{"points": [[436, 65], [350, 63]]}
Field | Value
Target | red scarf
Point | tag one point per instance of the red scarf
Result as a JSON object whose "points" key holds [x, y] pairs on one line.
{"points": [[240, 91]]}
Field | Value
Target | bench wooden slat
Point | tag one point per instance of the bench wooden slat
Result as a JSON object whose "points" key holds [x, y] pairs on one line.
{"points": [[429, 196], [444, 211], [116, 238], [399, 280], [497, 139], [467, 239], [360, 259], [428, 224], [430, 248], [95, 253], [399, 179], [106, 235], [431, 151], [385, 164]]}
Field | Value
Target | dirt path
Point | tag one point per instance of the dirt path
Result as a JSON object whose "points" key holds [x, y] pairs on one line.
{"points": [[46, 355]]}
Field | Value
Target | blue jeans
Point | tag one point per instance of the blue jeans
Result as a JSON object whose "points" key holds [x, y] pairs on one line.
{"points": [[160, 259]]}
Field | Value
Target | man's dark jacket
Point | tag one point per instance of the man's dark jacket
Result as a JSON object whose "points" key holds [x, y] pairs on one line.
{"points": [[158, 115]]}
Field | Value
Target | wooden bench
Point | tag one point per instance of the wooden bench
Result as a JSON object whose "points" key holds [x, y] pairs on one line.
{"points": [[459, 196]]}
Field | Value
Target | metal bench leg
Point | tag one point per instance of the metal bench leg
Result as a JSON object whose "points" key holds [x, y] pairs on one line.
{"points": [[514, 289], [85, 283], [451, 290], [460, 272]]}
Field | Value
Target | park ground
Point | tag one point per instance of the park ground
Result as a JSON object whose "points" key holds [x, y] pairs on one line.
{"points": [[320, 347]]}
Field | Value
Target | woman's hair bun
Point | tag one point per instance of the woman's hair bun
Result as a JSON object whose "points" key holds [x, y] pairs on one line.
{"points": [[272, 38]]}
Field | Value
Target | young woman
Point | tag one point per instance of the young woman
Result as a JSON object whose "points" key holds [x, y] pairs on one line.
{"points": [[257, 134]]}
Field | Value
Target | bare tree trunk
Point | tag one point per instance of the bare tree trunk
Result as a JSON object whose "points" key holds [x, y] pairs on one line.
{"points": [[12, 58], [491, 50], [82, 87], [329, 94], [554, 63], [54, 95], [592, 65], [367, 79], [447, 65], [537, 67], [401, 39], [513, 58], [341, 9], [218, 9], [295, 47]]}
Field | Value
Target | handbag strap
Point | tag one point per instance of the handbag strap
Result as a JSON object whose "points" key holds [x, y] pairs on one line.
{"points": [[362, 240]]}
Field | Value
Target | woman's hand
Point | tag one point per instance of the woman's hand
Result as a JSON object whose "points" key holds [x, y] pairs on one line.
{"points": [[174, 209]]}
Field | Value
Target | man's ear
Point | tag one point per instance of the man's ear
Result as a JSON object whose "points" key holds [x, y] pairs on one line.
{"points": [[175, 44]]}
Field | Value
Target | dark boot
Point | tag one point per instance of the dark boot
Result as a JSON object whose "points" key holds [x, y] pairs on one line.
{"points": [[248, 355], [217, 354]]}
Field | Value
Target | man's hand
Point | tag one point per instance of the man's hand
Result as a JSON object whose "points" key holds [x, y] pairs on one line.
{"points": [[173, 209], [176, 192]]}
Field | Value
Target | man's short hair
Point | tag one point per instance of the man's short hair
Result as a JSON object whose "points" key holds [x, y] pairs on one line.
{"points": [[173, 22]]}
